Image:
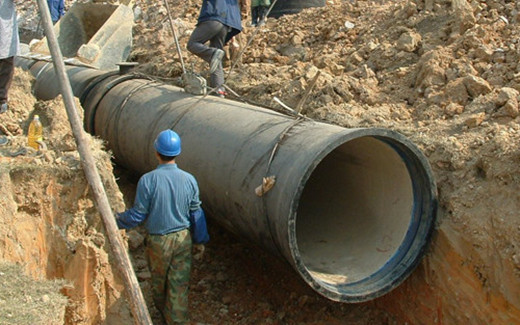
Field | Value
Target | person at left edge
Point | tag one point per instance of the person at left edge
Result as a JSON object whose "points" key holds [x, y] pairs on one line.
{"points": [[165, 198], [57, 9], [9, 48]]}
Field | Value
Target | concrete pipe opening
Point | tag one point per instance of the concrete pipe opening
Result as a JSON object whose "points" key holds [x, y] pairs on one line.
{"points": [[363, 220]]}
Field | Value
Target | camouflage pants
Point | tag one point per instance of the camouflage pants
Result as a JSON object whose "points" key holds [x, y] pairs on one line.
{"points": [[169, 258]]}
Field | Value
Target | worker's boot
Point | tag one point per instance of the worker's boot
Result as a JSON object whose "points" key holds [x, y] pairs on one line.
{"points": [[3, 108], [3, 140], [221, 92]]}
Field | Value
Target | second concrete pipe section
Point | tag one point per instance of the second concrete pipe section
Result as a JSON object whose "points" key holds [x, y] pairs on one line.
{"points": [[352, 210]]}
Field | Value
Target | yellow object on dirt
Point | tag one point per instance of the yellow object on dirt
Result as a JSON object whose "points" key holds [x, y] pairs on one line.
{"points": [[35, 133]]}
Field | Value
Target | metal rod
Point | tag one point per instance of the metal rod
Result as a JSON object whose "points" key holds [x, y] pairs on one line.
{"points": [[175, 35], [137, 302], [302, 101]]}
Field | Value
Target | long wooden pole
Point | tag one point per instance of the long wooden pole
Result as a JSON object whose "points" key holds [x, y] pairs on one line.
{"points": [[137, 302]]}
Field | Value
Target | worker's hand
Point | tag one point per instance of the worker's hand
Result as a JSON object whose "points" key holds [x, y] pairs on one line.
{"points": [[198, 251]]}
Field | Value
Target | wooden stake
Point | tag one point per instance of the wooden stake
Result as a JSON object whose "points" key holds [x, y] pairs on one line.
{"points": [[137, 302]]}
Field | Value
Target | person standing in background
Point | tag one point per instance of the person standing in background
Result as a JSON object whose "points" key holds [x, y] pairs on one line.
{"points": [[9, 48], [259, 10], [219, 21], [57, 9]]}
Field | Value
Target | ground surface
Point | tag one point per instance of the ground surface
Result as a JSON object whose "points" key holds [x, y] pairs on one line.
{"points": [[444, 73]]}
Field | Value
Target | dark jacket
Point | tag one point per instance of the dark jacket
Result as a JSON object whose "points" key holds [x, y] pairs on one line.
{"points": [[225, 11]]}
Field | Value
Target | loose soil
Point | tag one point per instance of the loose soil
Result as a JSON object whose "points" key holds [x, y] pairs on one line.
{"points": [[445, 73]]}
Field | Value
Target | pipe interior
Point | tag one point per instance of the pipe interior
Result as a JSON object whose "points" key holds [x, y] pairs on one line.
{"points": [[81, 25], [354, 212]]}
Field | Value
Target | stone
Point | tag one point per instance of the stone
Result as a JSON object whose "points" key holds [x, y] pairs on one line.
{"points": [[409, 41], [475, 120], [476, 86]]}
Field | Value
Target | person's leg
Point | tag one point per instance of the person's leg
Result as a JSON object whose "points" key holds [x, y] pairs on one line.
{"points": [[254, 15], [262, 14], [6, 76], [217, 77], [178, 279], [158, 264], [203, 33]]}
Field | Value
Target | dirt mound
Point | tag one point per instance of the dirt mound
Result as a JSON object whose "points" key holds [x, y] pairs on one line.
{"points": [[48, 220]]}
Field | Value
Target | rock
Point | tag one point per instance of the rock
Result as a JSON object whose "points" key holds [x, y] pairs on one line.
{"points": [[223, 311], [507, 101], [135, 239], [482, 52], [453, 109], [428, 5], [507, 94], [408, 41], [144, 275], [456, 92], [297, 39], [430, 73], [355, 58], [226, 300], [364, 72], [303, 300], [464, 15], [475, 120], [298, 52], [221, 276], [98, 239], [476, 86], [509, 109]]}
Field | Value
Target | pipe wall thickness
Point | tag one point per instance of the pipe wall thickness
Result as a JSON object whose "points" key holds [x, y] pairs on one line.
{"points": [[352, 210]]}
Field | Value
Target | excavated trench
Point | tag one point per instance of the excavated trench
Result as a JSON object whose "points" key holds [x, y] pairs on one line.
{"points": [[51, 227]]}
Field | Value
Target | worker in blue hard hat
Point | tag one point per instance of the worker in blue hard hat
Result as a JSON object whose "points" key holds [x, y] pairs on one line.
{"points": [[167, 202]]}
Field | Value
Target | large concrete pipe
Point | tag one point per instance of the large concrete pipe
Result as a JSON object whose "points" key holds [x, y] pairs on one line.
{"points": [[352, 210], [284, 7], [46, 87]]}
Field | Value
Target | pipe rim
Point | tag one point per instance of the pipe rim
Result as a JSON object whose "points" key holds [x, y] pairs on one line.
{"points": [[403, 263]]}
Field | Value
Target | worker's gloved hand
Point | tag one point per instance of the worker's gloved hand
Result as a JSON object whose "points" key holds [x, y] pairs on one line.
{"points": [[198, 251]]}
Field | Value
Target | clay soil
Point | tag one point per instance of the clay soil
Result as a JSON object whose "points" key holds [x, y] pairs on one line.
{"points": [[445, 73]]}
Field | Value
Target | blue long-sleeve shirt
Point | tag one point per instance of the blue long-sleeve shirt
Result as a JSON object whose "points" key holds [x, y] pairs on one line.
{"points": [[225, 11], [164, 199], [57, 9]]}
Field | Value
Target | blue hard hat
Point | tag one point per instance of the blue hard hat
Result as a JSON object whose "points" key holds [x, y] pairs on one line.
{"points": [[168, 143]]}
